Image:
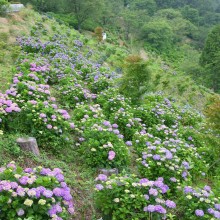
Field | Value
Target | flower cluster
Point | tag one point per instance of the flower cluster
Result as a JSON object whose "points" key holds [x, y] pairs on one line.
{"points": [[199, 202], [7, 105], [172, 157], [102, 144], [127, 197], [40, 193], [7, 109]]}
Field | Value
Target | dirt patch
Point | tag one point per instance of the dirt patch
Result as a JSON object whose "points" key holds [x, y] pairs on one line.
{"points": [[121, 43], [3, 21], [4, 29], [16, 18]]}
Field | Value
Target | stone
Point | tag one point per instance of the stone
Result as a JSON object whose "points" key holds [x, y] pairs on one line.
{"points": [[15, 8], [29, 144]]}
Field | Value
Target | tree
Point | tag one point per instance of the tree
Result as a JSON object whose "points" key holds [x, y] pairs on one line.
{"points": [[190, 14], [149, 6], [168, 14], [211, 55], [136, 78], [111, 12], [3, 6], [212, 112], [84, 10], [131, 21], [158, 34]]}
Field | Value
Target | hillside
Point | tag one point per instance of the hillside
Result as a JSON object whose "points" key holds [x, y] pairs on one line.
{"points": [[63, 88]]}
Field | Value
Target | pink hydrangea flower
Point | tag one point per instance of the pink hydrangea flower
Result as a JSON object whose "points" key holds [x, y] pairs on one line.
{"points": [[111, 155]]}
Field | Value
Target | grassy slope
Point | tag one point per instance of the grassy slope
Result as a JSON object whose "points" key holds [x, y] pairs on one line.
{"points": [[79, 177]]}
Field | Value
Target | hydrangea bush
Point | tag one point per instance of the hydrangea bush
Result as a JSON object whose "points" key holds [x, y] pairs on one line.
{"points": [[38, 193], [199, 203], [128, 197], [102, 144]]}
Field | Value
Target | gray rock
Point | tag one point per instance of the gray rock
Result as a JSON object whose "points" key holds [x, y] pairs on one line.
{"points": [[28, 144]]}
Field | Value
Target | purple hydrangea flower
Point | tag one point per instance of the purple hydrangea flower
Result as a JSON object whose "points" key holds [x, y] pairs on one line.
{"points": [[99, 187], [170, 204], [102, 177], [149, 208], [199, 212], [48, 193], [217, 214], [111, 155], [20, 212], [160, 209], [57, 191], [156, 157], [128, 143], [153, 192], [217, 206]]}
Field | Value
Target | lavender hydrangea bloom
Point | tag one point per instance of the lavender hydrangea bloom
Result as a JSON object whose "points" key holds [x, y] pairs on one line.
{"points": [[153, 192], [217, 206], [20, 212], [48, 193], [188, 189], [170, 204], [67, 196], [24, 180], [52, 211], [160, 209], [217, 214], [143, 181], [99, 187], [146, 197], [173, 179], [102, 177], [14, 185], [199, 212], [128, 143], [60, 177], [156, 157], [57, 191], [149, 208], [211, 211], [207, 188]]}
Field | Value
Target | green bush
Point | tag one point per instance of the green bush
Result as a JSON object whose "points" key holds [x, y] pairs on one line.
{"points": [[37, 193], [136, 79], [212, 113], [128, 197], [3, 6]]}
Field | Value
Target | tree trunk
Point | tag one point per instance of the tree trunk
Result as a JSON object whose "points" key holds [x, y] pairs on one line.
{"points": [[28, 144]]}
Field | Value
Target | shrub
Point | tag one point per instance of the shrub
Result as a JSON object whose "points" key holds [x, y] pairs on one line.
{"points": [[128, 197], [135, 81], [37, 193], [3, 6], [198, 203], [98, 33], [212, 112], [102, 145]]}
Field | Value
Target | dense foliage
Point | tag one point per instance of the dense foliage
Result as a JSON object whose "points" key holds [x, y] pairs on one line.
{"points": [[210, 57]]}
